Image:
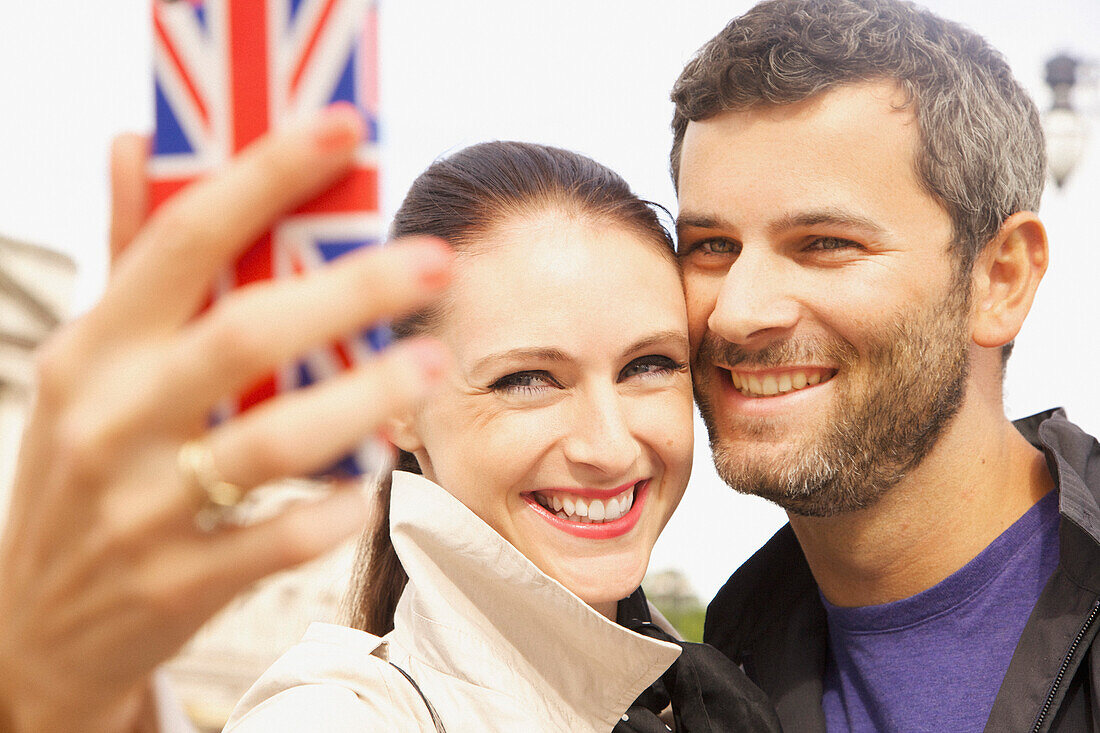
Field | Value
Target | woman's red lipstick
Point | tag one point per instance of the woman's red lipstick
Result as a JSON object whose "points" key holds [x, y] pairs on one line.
{"points": [[596, 530]]}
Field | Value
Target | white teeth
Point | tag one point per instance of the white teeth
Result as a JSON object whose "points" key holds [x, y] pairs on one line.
{"points": [[769, 385], [581, 506], [588, 511]]}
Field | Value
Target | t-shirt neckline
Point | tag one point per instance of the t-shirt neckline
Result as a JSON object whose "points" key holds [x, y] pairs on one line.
{"points": [[954, 590]]}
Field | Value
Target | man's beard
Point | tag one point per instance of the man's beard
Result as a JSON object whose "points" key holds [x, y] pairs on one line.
{"points": [[913, 382]]}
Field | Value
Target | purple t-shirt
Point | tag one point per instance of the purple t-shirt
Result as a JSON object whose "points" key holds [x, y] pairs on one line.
{"points": [[935, 661]]}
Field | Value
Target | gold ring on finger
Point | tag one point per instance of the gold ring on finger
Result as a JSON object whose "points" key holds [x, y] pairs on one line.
{"points": [[218, 497]]}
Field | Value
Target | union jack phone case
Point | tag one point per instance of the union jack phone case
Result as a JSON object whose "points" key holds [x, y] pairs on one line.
{"points": [[227, 71]]}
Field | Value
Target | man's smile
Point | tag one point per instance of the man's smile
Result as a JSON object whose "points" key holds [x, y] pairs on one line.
{"points": [[774, 382]]}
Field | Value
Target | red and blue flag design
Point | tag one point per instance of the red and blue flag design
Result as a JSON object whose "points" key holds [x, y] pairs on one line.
{"points": [[227, 71]]}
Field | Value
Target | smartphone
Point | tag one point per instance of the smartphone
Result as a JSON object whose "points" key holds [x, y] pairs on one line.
{"points": [[224, 73]]}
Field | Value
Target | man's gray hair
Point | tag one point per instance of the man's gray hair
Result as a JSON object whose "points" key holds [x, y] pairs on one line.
{"points": [[981, 151]]}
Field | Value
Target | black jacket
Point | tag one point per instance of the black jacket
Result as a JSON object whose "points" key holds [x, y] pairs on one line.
{"points": [[769, 618]]}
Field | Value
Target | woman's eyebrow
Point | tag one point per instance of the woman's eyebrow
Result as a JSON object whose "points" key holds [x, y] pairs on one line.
{"points": [[530, 353], [659, 338]]}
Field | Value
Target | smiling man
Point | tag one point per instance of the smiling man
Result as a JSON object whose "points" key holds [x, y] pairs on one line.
{"points": [[857, 181]]}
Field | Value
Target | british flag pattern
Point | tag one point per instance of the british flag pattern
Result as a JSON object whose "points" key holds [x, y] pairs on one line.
{"points": [[227, 71]]}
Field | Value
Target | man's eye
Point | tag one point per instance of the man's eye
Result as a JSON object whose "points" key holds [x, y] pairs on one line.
{"points": [[824, 244], [524, 383], [655, 364], [718, 246]]}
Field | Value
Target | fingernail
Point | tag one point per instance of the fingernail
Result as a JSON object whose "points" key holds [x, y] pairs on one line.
{"points": [[339, 127], [432, 260], [430, 356]]}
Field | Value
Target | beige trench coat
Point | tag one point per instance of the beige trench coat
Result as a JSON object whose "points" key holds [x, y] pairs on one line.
{"points": [[494, 643]]}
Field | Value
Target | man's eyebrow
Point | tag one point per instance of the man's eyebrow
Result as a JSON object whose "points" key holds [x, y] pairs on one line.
{"points": [[699, 221], [523, 353], [829, 217]]}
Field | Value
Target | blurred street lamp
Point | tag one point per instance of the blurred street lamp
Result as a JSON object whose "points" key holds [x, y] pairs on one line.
{"points": [[1065, 128]]}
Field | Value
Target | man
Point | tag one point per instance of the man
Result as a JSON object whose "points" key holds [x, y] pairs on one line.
{"points": [[857, 181]]}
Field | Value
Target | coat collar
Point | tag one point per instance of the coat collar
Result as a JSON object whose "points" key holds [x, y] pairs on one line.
{"points": [[1073, 458], [478, 609]]}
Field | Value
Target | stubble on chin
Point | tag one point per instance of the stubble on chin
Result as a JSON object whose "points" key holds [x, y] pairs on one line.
{"points": [[889, 408]]}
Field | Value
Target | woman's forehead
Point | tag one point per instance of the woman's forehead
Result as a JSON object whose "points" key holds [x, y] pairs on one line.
{"points": [[552, 258], [562, 284]]}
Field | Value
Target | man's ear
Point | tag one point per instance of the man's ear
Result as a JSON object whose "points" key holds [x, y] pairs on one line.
{"points": [[1005, 278]]}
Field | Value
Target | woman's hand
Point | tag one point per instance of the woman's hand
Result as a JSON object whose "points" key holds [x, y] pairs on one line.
{"points": [[103, 572]]}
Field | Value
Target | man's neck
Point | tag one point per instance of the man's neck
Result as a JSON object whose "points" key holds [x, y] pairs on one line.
{"points": [[979, 479]]}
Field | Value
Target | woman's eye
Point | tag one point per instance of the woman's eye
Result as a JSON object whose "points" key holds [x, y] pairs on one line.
{"points": [[654, 364], [524, 383]]}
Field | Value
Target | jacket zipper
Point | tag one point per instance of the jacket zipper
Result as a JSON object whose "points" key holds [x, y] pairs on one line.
{"points": [[1058, 678]]}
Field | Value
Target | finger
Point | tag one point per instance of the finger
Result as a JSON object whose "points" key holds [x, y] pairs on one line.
{"points": [[129, 192], [235, 558], [160, 390], [258, 329], [189, 239], [307, 430]]}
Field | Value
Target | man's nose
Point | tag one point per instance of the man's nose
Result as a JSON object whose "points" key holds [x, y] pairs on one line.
{"points": [[600, 436], [756, 301]]}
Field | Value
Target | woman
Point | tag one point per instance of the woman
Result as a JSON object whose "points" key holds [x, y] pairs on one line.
{"points": [[552, 455]]}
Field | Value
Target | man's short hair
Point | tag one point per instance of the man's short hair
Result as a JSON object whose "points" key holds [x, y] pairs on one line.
{"points": [[981, 152]]}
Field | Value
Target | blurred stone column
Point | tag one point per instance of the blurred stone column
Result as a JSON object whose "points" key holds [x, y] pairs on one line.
{"points": [[36, 286]]}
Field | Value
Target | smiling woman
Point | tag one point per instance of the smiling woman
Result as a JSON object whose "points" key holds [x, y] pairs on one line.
{"points": [[504, 581], [603, 415]]}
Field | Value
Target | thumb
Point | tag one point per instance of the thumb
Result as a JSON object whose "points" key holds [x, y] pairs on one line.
{"points": [[129, 195]]}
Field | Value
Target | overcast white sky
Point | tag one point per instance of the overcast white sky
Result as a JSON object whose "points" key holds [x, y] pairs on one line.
{"points": [[591, 75]]}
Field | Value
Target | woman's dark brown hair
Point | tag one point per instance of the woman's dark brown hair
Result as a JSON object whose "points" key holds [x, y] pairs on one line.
{"points": [[462, 198]]}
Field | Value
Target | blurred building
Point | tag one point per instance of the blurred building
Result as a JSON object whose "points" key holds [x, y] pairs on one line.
{"points": [[670, 589], [36, 285], [671, 592]]}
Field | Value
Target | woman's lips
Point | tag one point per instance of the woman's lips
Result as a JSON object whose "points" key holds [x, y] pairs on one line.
{"points": [[581, 515]]}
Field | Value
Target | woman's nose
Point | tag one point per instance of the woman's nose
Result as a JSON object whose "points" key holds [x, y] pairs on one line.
{"points": [[600, 436]]}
